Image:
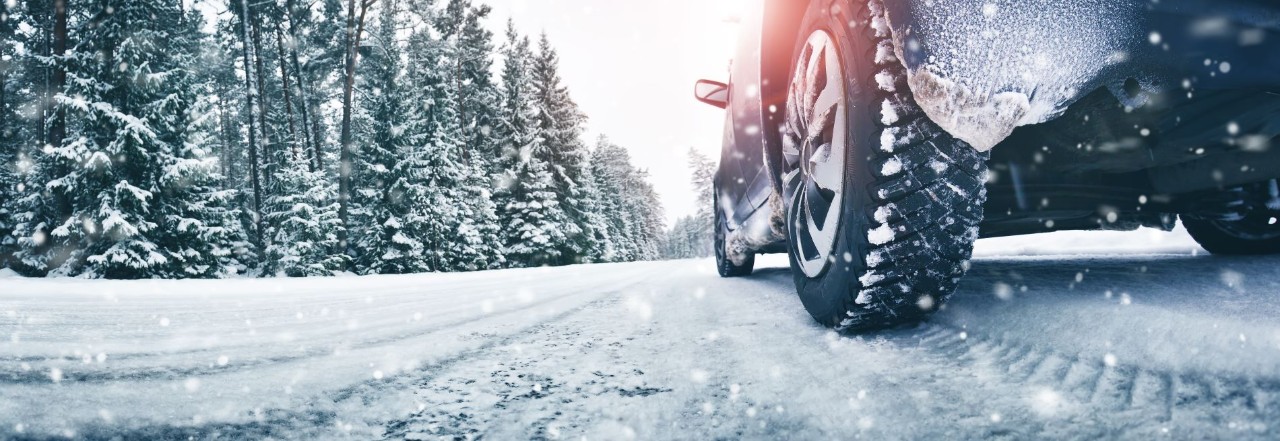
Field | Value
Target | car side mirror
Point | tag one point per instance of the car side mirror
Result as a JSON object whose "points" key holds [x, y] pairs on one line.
{"points": [[712, 92]]}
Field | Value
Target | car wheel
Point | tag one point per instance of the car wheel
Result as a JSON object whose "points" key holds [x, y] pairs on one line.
{"points": [[724, 265], [883, 206], [1254, 231]]}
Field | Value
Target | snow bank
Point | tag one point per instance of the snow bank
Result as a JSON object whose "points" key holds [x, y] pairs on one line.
{"points": [[1144, 241]]}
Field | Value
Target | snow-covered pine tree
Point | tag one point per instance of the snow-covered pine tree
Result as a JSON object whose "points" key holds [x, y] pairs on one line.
{"points": [[10, 141], [702, 224], [596, 219], [682, 239], [634, 218], [200, 229], [560, 122], [457, 200], [610, 165], [353, 36], [315, 56], [32, 95], [304, 225], [645, 208], [392, 207], [255, 17], [469, 67], [122, 194], [225, 96], [31, 71], [532, 218]]}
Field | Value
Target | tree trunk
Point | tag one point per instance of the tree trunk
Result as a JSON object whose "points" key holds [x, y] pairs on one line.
{"points": [[251, 95], [310, 132], [355, 27], [269, 150], [288, 95], [4, 108], [58, 124], [317, 130], [46, 95], [224, 128], [4, 81]]}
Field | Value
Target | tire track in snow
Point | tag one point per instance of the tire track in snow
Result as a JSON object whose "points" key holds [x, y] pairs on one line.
{"points": [[321, 419], [390, 299], [669, 374], [39, 374], [527, 391], [1133, 398], [17, 371]]}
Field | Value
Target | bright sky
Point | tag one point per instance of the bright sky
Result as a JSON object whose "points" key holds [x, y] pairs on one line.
{"points": [[631, 65]]}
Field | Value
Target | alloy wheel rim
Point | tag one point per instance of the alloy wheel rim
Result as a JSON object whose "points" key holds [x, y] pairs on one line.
{"points": [[814, 150]]}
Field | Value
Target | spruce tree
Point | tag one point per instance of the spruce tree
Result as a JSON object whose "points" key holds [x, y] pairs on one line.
{"points": [[202, 224], [634, 219], [595, 223], [701, 226], [303, 226], [610, 164], [469, 65], [304, 232], [391, 199], [114, 198], [560, 123], [10, 141], [532, 218], [456, 183]]}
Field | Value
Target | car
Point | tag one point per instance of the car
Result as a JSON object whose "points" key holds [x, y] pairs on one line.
{"points": [[874, 141]]}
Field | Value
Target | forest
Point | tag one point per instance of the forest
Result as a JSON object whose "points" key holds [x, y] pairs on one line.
{"points": [[142, 139]]}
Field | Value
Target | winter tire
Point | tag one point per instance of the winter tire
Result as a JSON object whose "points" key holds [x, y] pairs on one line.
{"points": [[883, 206], [1256, 233], [725, 265]]}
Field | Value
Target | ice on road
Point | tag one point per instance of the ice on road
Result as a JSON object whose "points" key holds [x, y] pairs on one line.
{"points": [[1138, 343]]}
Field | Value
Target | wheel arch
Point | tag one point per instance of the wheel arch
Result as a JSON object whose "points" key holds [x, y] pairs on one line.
{"points": [[778, 34]]}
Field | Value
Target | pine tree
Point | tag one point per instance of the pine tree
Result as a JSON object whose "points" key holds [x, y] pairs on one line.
{"points": [[122, 195], [252, 129], [634, 219], [316, 54], [305, 230], [645, 209], [390, 197], [10, 141], [595, 218], [610, 164], [357, 11], [207, 230], [700, 228], [469, 67], [531, 216], [456, 183], [682, 241], [560, 123]]}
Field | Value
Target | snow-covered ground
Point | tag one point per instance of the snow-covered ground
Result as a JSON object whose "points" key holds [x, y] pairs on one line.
{"points": [[1072, 335]]}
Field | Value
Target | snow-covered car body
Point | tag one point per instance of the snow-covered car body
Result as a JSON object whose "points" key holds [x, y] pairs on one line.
{"points": [[1097, 114]]}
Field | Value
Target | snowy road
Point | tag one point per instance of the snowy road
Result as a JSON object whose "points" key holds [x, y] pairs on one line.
{"points": [[1148, 344]]}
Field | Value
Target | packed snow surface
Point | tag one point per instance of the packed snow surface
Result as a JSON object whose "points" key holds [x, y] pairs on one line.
{"points": [[1073, 335]]}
